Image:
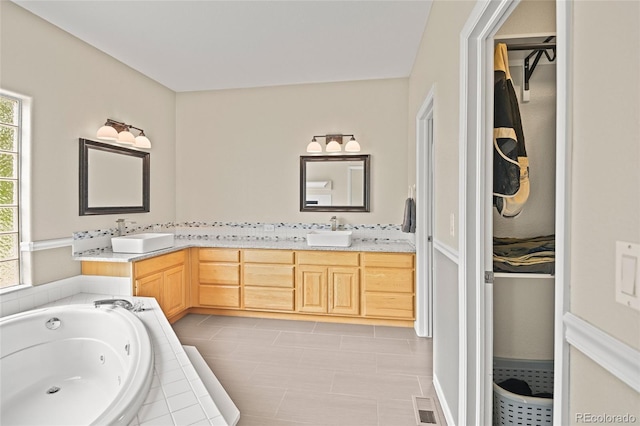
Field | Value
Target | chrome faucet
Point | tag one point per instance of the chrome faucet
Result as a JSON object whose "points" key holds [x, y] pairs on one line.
{"points": [[334, 223], [115, 302], [122, 226], [122, 303]]}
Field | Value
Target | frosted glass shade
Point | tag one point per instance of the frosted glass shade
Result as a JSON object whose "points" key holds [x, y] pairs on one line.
{"points": [[142, 142], [107, 133], [314, 146], [333, 146], [352, 146], [126, 137]]}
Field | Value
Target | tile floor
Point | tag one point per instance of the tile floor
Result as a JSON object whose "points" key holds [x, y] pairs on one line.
{"points": [[281, 372]]}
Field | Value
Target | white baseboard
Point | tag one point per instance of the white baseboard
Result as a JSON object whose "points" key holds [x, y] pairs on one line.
{"points": [[448, 416]]}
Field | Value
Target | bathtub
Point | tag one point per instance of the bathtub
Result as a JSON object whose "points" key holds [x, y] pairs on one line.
{"points": [[73, 365]]}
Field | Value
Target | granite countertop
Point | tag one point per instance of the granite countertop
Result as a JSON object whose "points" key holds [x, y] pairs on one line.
{"points": [[370, 245]]}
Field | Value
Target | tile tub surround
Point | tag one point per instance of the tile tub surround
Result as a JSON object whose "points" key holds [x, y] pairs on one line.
{"points": [[250, 234], [24, 298], [177, 395]]}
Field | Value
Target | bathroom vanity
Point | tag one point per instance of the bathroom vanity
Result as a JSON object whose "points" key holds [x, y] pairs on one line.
{"points": [[352, 285]]}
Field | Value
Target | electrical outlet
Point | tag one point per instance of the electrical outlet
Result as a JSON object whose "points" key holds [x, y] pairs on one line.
{"points": [[269, 227], [452, 224]]}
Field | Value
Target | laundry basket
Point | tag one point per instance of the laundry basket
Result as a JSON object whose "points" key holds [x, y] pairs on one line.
{"points": [[513, 409]]}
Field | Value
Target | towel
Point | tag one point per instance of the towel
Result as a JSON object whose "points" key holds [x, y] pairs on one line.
{"points": [[409, 222]]}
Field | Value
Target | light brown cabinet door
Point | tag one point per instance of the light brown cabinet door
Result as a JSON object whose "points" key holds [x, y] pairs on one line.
{"points": [[389, 305], [150, 286], [174, 291], [311, 289], [220, 296], [219, 273], [344, 291], [267, 298], [388, 285]]}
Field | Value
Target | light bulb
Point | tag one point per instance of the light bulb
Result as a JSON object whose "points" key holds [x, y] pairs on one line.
{"points": [[142, 141], [352, 145], [314, 146], [127, 137], [333, 146], [107, 133]]}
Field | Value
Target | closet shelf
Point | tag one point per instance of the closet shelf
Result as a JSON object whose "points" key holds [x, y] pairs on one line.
{"points": [[516, 275]]}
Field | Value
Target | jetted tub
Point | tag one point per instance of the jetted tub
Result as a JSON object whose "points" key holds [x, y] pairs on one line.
{"points": [[73, 365]]}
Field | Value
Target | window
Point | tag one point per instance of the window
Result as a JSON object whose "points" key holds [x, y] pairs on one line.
{"points": [[10, 132]]}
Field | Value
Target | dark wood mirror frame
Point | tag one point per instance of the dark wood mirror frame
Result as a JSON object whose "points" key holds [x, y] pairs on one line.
{"points": [[85, 209], [304, 160]]}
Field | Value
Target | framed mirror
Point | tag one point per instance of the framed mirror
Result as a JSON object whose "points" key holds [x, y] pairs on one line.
{"points": [[113, 179], [332, 183]]}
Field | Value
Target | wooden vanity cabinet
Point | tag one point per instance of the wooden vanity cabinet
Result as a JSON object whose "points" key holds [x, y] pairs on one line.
{"points": [[389, 289], [268, 280], [216, 277], [165, 278], [328, 283], [359, 287]]}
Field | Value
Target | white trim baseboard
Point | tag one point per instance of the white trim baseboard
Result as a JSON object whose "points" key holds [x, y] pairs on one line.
{"points": [[616, 357], [447, 250], [446, 410], [45, 244]]}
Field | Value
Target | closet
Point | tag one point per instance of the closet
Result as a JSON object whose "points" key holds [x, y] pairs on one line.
{"points": [[523, 294]]}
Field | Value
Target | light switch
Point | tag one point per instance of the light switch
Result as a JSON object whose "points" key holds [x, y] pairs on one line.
{"points": [[628, 274]]}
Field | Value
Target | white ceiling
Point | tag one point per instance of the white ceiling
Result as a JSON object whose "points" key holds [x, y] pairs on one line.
{"points": [[207, 44]]}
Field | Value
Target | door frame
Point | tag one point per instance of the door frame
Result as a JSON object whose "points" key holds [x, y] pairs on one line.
{"points": [[424, 216], [476, 127]]}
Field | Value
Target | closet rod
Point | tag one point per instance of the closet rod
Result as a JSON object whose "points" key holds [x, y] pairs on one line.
{"points": [[531, 46], [537, 50]]}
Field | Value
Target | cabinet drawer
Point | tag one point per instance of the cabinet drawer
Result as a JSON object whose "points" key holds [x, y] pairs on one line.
{"points": [[268, 256], [328, 258], [388, 260], [155, 264], [213, 273], [389, 280], [219, 255], [280, 299], [269, 275], [388, 305], [213, 295]]}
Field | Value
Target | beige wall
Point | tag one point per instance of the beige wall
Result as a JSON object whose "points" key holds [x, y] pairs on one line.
{"points": [[238, 150], [438, 64], [74, 88], [606, 184], [530, 17]]}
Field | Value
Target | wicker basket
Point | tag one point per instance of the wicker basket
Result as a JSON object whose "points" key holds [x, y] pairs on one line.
{"points": [[513, 409]]}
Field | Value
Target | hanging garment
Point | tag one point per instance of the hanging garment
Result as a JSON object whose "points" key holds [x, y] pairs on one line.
{"points": [[510, 162]]}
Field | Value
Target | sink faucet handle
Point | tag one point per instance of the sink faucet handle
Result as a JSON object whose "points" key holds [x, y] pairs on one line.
{"points": [[122, 224]]}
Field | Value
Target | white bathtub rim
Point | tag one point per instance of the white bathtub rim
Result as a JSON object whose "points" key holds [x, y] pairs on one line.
{"points": [[140, 382], [120, 411]]}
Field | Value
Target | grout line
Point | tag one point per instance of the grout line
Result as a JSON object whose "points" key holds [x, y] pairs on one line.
{"points": [[275, 416]]}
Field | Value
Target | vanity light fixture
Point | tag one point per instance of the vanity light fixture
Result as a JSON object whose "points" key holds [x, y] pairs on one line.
{"points": [[117, 131], [334, 144]]}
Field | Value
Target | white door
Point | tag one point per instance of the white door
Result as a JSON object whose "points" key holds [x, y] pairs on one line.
{"points": [[424, 217]]}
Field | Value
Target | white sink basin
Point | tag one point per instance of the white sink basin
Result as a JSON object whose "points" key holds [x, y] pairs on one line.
{"points": [[329, 238], [141, 243]]}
